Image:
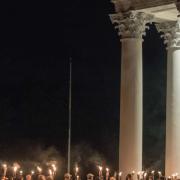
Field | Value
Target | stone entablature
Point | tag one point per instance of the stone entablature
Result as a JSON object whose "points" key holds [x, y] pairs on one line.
{"points": [[142, 4], [139, 4], [161, 9]]}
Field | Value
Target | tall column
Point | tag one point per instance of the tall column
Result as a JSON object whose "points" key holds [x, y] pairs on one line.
{"points": [[172, 39], [131, 26]]}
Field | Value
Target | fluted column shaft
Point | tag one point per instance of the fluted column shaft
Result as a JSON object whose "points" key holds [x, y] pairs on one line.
{"points": [[130, 151], [173, 112]]}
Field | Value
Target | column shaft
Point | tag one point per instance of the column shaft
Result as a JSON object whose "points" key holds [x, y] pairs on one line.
{"points": [[173, 112], [171, 37], [131, 106]]}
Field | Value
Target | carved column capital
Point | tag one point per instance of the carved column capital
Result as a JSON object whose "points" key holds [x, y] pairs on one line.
{"points": [[131, 24], [171, 33]]}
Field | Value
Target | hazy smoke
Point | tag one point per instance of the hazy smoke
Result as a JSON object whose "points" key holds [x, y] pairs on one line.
{"points": [[39, 156], [87, 157], [30, 155]]}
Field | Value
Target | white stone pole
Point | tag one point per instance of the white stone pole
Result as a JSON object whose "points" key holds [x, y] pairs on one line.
{"points": [[131, 26], [172, 39]]}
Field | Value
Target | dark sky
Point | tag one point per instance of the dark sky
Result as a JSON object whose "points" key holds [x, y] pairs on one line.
{"points": [[36, 43]]}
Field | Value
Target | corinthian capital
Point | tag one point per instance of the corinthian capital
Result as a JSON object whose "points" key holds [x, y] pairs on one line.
{"points": [[171, 32], [131, 24]]}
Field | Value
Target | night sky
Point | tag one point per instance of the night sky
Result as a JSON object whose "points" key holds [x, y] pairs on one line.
{"points": [[36, 43]]}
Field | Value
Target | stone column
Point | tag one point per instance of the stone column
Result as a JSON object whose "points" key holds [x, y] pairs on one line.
{"points": [[131, 26], [171, 35]]}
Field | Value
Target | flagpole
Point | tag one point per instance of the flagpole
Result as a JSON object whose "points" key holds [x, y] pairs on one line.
{"points": [[69, 120]]}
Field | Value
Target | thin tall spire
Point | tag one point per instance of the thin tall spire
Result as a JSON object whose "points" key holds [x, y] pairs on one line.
{"points": [[69, 121]]}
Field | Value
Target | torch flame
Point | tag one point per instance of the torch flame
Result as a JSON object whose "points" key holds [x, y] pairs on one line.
{"points": [[54, 167], [39, 169], [32, 172], [77, 169], [15, 168], [4, 166], [50, 172], [120, 174], [100, 168], [107, 169]]}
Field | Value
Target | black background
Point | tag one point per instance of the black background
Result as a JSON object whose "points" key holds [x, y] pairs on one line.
{"points": [[36, 43]]}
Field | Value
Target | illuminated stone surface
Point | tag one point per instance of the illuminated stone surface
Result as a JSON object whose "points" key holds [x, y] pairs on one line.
{"points": [[161, 9], [172, 39], [130, 20], [131, 26]]}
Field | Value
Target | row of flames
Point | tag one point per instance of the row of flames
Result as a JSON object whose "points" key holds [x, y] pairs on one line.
{"points": [[37, 174], [141, 175], [16, 173]]}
